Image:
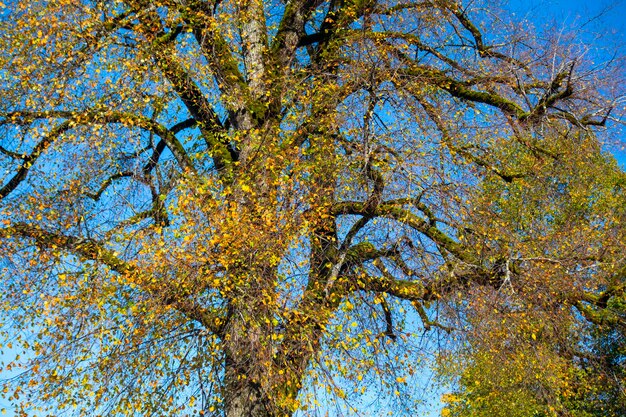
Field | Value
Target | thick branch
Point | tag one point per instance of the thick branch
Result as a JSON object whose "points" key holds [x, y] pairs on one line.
{"points": [[395, 212], [388, 319], [403, 289], [254, 39], [193, 98], [160, 147], [414, 291], [91, 250], [93, 117], [356, 228], [198, 15], [29, 160], [290, 33], [462, 90]]}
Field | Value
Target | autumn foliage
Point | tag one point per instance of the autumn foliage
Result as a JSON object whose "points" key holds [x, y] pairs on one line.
{"points": [[257, 208]]}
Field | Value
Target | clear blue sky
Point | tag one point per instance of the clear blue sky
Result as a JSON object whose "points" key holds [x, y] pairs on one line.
{"points": [[609, 12], [591, 16]]}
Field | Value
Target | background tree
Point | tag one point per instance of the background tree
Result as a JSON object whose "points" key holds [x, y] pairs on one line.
{"points": [[526, 354], [227, 207]]}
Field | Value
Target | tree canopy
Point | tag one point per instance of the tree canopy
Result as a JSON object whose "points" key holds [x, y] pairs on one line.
{"points": [[268, 208]]}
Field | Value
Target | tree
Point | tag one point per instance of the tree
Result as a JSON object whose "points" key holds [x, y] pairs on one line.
{"points": [[524, 353], [221, 207], [529, 377]]}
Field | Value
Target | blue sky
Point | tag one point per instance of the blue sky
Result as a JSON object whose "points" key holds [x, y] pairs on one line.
{"points": [[610, 13], [604, 17]]}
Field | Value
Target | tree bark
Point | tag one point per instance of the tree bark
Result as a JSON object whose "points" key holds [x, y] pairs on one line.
{"points": [[244, 394], [252, 387], [243, 398]]}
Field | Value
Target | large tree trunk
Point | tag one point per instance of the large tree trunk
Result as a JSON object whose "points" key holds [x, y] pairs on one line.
{"points": [[253, 385], [243, 398], [245, 390]]}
